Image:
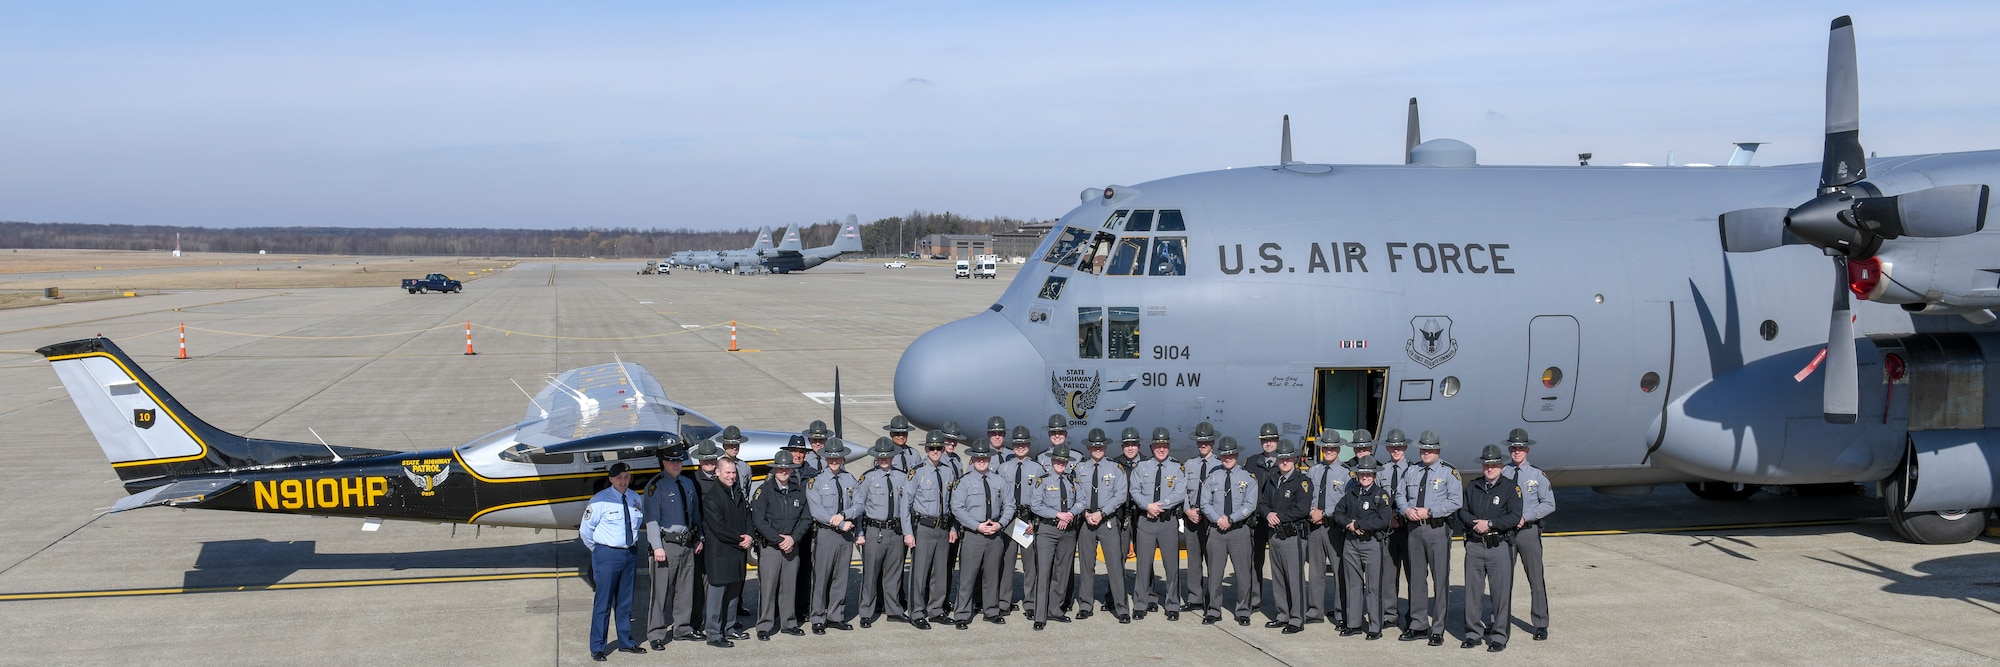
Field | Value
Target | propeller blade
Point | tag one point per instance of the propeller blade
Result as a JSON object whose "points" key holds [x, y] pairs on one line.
{"points": [[1844, 162], [1952, 210], [1842, 400], [836, 402], [1285, 143], [1411, 135], [1753, 229]]}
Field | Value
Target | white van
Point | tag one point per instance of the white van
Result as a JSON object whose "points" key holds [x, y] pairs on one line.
{"points": [[987, 269], [964, 270]]}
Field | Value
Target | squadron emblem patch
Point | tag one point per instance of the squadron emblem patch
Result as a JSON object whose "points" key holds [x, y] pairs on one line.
{"points": [[427, 474], [1077, 393], [1430, 341]]}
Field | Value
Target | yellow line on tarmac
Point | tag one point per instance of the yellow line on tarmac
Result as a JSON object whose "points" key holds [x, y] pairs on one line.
{"points": [[345, 583]]}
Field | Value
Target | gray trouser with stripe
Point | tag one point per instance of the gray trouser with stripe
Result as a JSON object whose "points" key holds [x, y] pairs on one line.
{"points": [[777, 589], [1195, 541], [882, 572], [1230, 547], [671, 579], [1395, 569], [929, 574], [1109, 537], [1528, 543], [833, 565], [1055, 559], [1322, 551], [1012, 551], [1489, 566], [1430, 553], [1165, 538], [980, 569], [1361, 561], [1288, 586]]}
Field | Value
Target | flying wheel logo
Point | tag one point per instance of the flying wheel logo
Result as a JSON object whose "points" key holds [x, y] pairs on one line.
{"points": [[1076, 392]]}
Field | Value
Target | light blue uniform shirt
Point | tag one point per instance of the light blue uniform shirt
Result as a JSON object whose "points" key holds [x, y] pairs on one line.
{"points": [[611, 520]]}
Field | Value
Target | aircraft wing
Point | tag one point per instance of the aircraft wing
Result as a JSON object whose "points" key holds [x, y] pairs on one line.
{"points": [[177, 494]]}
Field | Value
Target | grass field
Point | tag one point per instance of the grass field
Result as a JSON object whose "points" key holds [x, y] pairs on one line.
{"points": [[97, 274]]}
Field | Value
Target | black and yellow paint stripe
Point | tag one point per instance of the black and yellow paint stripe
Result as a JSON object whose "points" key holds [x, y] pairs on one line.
{"points": [[303, 585]]}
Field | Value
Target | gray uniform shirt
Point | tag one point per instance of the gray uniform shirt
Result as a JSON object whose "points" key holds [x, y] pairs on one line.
{"points": [[980, 498], [1231, 493], [830, 494], [882, 494], [1198, 470], [1445, 494], [1027, 472], [929, 494], [1166, 480], [1537, 499], [908, 459], [668, 500], [1103, 482], [1329, 482], [1049, 495]]}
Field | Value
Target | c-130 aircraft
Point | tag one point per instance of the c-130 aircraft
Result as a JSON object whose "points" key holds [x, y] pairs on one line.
{"points": [[1647, 325]]}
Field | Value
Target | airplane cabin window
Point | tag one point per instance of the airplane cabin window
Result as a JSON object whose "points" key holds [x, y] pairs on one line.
{"points": [[1052, 288], [521, 454], [1089, 333], [1064, 251], [1169, 257], [1116, 221], [1129, 260], [1141, 221], [1170, 221], [1124, 335]]}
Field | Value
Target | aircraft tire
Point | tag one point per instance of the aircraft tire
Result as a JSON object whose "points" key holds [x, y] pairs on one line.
{"points": [[1950, 527], [1722, 490]]}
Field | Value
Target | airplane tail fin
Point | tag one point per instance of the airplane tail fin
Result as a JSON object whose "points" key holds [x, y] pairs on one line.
{"points": [[849, 239], [791, 241], [149, 437], [763, 240]]}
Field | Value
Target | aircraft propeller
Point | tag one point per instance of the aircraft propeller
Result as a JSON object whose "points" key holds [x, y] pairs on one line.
{"points": [[1849, 219]]}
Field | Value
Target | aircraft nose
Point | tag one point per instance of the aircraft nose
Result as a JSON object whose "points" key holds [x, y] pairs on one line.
{"points": [[970, 370]]}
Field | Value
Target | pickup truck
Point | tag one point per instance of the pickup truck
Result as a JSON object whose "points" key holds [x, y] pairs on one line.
{"points": [[436, 282]]}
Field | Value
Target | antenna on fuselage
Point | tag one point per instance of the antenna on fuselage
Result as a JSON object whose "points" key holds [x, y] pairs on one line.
{"points": [[1285, 143], [531, 398], [322, 443], [1411, 135]]}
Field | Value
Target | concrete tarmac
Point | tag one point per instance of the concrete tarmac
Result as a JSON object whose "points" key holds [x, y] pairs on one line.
{"points": [[1777, 579]]}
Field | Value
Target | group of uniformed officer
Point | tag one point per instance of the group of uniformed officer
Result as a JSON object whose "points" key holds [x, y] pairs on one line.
{"points": [[1372, 523]]}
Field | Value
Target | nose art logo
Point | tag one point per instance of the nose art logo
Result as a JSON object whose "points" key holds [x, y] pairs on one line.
{"points": [[1076, 391]]}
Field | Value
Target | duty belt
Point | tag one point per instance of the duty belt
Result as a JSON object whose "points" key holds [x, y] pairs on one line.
{"points": [[932, 521], [1288, 530], [683, 538], [1489, 539], [1165, 515], [1436, 522], [885, 524]]}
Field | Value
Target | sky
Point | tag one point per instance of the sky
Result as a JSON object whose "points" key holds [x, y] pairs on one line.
{"points": [[735, 115]]}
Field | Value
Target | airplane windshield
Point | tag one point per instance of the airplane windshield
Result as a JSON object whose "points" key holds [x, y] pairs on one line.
{"points": [[1127, 261], [1170, 221], [1168, 257], [695, 428], [1064, 252], [1096, 254], [1141, 221]]}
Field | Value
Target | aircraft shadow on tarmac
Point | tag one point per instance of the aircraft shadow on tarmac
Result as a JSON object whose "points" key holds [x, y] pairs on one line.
{"points": [[257, 562], [1973, 578]]}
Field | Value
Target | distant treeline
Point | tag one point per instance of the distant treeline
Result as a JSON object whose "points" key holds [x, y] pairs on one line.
{"points": [[887, 236]]}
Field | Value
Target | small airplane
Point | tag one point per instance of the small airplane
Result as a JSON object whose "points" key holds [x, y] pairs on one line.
{"points": [[1647, 325], [721, 260], [537, 473]]}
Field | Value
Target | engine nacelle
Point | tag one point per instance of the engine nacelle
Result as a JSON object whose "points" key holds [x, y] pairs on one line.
{"points": [[1944, 276]]}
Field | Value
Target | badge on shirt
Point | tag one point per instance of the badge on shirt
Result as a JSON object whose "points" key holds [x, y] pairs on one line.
{"points": [[795, 501], [1364, 505], [1496, 500], [1170, 480], [1437, 484]]}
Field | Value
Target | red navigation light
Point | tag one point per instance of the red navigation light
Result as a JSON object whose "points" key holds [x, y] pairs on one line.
{"points": [[1864, 276]]}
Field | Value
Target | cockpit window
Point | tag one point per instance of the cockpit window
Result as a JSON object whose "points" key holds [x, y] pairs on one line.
{"points": [[521, 454], [1169, 258], [1170, 221], [696, 429], [1096, 254], [1130, 258], [1052, 288], [1089, 333], [1124, 333], [1116, 221], [1065, 249], [1141, 221]]}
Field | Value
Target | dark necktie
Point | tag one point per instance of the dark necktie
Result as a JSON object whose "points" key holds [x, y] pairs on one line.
{"points": [[1158, 467], [631, 530], [986, 490], [1325, 482], [1228, 497], [686, 518], [839, 497], [1203, 462], [1395, 478], [937, 472], [1093, 486], [1423, 486], [1062, 492], [1020, 462]]}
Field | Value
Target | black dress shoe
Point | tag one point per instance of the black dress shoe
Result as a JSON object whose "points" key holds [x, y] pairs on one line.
{"points": [[1152, 607], [1409, 636], [721, 643], [941, 619], [1059, 618], [631, 649], [839, 625], [1125, 619], [1210, 620], [1437, 640], [1495, 647], [1372, 636], [1040, 624], [1274, 624], [1140, 614], [1349, 632], [1469, 643], [597, 655], [659, 645], [1243, 621], [795, 632], [867, 623], [687, 637], [997, 620], [963, 625], [1083, 614], [819, 628], [1173, 616], [1311, 621], [1294, 629], [739, 634], [1541, 634], [920, 624]]}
